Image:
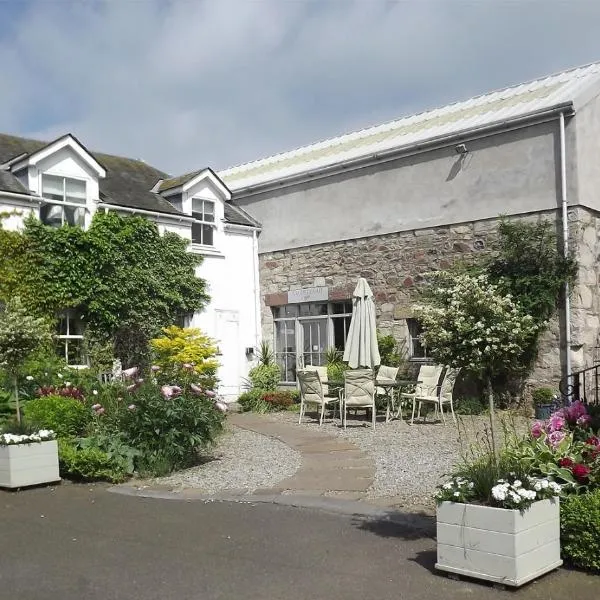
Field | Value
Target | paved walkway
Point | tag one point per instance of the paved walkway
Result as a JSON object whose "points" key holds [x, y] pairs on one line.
{"points": [[330, 467]]}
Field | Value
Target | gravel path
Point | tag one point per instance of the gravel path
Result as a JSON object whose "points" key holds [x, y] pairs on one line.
{"points": [[241, 460], [410, 460]]}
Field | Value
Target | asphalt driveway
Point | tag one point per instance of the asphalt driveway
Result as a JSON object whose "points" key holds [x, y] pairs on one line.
{"points": [[74, 542]]}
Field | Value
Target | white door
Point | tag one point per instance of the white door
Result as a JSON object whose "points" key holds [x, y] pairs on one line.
{"points": [[228, 334]]}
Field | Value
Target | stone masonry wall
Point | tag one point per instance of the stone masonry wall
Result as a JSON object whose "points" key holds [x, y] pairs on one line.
{"points": [[394, 265]]}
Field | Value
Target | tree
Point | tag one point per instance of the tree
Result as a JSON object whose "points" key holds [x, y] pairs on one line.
{"points": [[20, 335], [468, 323]]}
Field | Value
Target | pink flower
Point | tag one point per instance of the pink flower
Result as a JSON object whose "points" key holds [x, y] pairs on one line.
{"points": [[555, 438], [188, 366], [132, 387], [100, 411], [196, 389], [96, 406], [129, 373], [580, 472], [176, 390], [584, 421], [210, 393], [566, 462], [221, 406], [131, 407], [155, 368], [555, 423], [537, 429], [167, 391], [574, 411]]}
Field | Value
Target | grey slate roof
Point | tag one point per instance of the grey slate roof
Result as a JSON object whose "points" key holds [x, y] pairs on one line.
{"points": [[174, 182], [127, 183]]}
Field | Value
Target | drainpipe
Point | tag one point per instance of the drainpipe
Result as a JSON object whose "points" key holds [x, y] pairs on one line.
{"points": [[255, 264], [565, 227]]}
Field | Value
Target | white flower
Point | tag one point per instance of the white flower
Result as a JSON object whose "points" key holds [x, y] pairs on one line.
{"points": [[67, 384], [537, 486], [447, 486], [457, 494], [555, 487], [499, 492], [29, 378], [59, 375], [517, 483], [95, 392], [545, 483]]}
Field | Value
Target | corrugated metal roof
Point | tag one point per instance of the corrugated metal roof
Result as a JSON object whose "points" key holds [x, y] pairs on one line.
{"points": [[498, 106]]}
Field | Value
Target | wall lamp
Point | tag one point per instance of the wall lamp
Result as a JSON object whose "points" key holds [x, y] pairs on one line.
{"points": [[461, 149]]}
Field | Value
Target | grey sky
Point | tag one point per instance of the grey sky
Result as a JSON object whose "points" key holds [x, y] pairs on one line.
{"points": [[188, 83]]}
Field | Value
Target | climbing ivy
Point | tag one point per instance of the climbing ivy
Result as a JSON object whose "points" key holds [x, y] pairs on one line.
{"points": [[119, 273]]}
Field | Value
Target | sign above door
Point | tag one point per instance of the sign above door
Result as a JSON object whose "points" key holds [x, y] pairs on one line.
{"points": [[314, 294]]}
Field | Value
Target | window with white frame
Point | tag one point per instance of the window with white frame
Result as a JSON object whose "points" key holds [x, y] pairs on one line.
{"points": [[70, 338], [417, 350], [204, 226], [65, 201]]}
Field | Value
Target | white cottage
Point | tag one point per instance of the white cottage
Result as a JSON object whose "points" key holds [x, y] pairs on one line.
{"points": [[63, 182]]}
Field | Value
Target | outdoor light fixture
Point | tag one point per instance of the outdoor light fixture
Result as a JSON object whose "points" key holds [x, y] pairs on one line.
{"points": [[461, 149]]}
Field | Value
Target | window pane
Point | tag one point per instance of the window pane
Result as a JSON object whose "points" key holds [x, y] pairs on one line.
{"points": [[197, 207], [51, 214], [197, 233], [341, 325], [207, 235], [209, 211], [289, 310], [52, 187], [74, 351], [74, 216], [63, 325], [75, 190], [340, 308]]}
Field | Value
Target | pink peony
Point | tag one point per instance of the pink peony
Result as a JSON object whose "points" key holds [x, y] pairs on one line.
{"points": [[130, 373], [100, 411], [536, 429], [221, 406], [155, 368], [131, 407], [176, 389], [574, 411], [555, 423], [188, 366], [584, 421], [166, 391], [210, 393], [196, 389], [96, 406], [132, 387], [555, 438]]}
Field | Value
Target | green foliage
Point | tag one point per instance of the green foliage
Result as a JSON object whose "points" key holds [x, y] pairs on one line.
{"points": [[265, 354], [182, 352], [530, 266], [88, 463], [251, 401], [469, 406], [120, 274], [391, 351], [65, 416], [120, 453], [265, 377], [580, 530], [543, 395], [168, 433]]}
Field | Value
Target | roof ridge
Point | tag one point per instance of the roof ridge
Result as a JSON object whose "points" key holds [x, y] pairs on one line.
{"points": [[338, 139]]}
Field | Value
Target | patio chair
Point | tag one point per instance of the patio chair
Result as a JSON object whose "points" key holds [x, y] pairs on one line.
{"points": [[443, 397], [427, 383], [387, 374], [311, 392], [359, 392], [322, 371]]}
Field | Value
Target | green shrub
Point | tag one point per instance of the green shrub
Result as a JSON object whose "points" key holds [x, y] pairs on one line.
{"points": [[168, 433], [251, 401], [88, 463], [469, 406], [543, 395], [391, 351], [265, 377], [580, 529], [66, 416]]}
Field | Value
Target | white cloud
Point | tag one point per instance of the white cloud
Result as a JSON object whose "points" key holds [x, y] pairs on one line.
{"points": [[184, 84]]}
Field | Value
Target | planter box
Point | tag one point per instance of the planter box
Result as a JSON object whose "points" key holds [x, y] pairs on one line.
{"points": [[28, 464], [498, 544]]}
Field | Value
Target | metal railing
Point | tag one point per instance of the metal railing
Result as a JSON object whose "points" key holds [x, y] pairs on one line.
{"points": [[582, 385]]}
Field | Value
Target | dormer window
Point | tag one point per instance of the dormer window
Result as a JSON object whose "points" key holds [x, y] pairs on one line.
{"points": [[66, 200], [203, 229]]}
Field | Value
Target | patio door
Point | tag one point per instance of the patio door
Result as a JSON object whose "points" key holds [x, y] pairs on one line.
{"points": [[313, 341]]}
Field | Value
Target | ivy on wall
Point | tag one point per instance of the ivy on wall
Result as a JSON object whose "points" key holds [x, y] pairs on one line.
{"points": [[119, 273]]}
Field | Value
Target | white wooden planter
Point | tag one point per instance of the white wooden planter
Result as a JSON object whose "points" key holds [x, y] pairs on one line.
{"points": [[498, 544], [28, 464]]}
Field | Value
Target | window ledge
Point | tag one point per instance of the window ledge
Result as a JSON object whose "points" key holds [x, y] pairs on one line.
{"points": [[205, 250]]}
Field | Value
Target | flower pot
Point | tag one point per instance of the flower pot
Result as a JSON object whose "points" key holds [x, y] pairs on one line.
{"points": [[498, 544], [543, 411], [28, 464]]}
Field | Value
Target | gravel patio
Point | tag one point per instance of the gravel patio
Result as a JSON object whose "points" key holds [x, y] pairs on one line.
{"points": [[409, 460]]}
